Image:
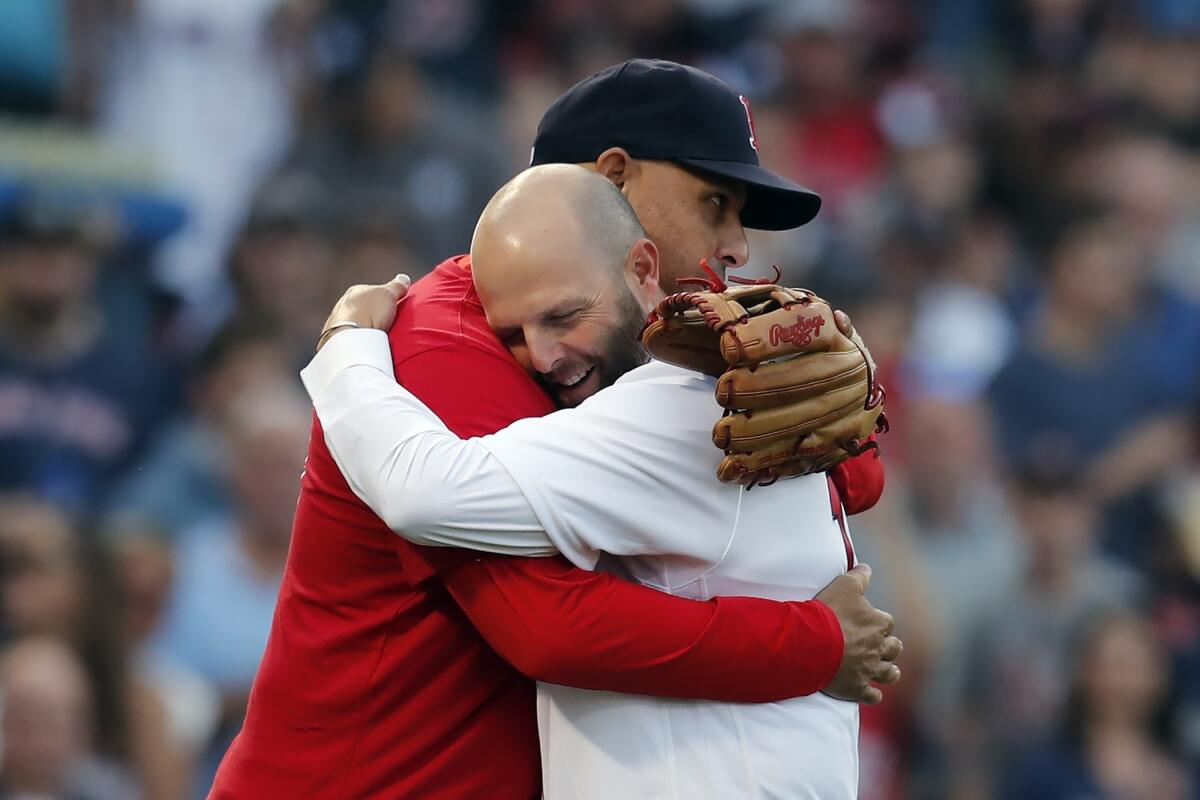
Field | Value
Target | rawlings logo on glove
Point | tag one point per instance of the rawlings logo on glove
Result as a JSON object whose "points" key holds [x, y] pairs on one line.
{"points": [[799, 334]]}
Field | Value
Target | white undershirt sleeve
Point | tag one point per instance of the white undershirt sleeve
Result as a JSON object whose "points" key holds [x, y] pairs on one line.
{"points": [[629, 472], [423, 481]]}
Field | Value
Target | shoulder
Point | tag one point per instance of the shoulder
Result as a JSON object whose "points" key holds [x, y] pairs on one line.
{"points": [[658, 387], [442, 309], [652, 417]]}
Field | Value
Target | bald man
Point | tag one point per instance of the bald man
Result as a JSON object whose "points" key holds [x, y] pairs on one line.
{"points": [[395, 670], [629, 473]]}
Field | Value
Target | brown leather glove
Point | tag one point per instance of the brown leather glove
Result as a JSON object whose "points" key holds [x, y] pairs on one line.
{"points": [[797, 381]]}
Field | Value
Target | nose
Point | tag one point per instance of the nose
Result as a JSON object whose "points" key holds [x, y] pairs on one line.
{"points": [[544, 350], [733, 248]]}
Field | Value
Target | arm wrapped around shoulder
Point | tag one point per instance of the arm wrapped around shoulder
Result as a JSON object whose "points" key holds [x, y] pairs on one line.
{"points": [[796, 380]]}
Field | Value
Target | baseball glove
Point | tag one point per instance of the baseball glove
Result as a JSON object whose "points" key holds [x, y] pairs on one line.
{"points": [[799, 389]]}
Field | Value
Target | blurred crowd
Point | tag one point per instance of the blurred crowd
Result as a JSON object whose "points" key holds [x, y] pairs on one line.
{"points": [[1012, 217]]}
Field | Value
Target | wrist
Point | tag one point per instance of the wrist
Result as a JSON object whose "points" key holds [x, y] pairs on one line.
{"points": [[834, 640], [330, 330]]}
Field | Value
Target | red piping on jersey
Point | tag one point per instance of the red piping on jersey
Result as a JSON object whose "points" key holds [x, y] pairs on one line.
{"points": [[839, 514]]}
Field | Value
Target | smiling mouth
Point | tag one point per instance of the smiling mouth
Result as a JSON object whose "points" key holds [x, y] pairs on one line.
{"points": [[575, 379]]}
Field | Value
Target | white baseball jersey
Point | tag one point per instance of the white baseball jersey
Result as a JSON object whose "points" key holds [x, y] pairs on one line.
{"points": [[630, 472]]}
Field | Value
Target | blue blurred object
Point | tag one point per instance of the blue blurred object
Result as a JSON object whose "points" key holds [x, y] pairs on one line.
{"points": [[149, 218], [32, 52], [120, 216], [10, 190], [1171, 16]]}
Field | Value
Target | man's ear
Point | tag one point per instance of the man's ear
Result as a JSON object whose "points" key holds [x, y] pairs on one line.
{"points": [[617, 165], [642, 272]]}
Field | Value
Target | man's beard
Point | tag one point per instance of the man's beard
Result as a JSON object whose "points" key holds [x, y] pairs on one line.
{"points": [[622, 350]]}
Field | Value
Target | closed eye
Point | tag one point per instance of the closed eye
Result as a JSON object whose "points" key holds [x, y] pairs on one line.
{"points": [[563, 317]]}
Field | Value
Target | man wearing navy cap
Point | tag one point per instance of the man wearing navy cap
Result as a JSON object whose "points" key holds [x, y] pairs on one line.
{"points": [[399, 671], [681, 146]]}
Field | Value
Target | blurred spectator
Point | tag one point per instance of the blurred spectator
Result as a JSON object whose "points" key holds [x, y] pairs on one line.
{"points": [[1115, 739], [1100, 319], [958, 508], [80, 387], [283, 263], [456, 42], [1147, 182], [371, 250], [53, 585], [1013, 676], [228, 572], [202, 87], [432, 161], [183, 706], [47, 727], [1176, 608], [834, 141], [935, 175], [1052, 32], [965, 542], [43, 589], [181, 480]]}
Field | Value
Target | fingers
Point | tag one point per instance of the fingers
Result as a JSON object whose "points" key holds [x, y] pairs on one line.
{"points": [[892, 649], [842, 320], [397, 287], [871, 695], [887, 674], [889, 623], [858, 692], [862, 575]]}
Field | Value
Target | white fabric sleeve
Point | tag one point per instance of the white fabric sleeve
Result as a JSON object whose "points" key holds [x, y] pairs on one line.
{"points": [[423, 481]]}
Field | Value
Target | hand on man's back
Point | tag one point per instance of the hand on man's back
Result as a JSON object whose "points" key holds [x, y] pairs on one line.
{"points": [[365, 306], [871, 649]]}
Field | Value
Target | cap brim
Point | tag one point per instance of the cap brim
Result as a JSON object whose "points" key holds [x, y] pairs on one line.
{"points": [[772, 203]]}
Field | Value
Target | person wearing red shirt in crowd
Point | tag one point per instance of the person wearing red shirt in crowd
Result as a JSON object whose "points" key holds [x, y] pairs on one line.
{"points": [[394, 671]]}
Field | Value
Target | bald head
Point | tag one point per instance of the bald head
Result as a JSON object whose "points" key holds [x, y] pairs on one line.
{"points": [[562, 208], [566, 275]]}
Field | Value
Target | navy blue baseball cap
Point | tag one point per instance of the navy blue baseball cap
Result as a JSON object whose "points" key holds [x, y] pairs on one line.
{"points": [[665, 111]]}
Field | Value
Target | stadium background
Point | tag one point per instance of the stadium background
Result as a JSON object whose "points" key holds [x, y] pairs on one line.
{"points": [[1012, 215]]}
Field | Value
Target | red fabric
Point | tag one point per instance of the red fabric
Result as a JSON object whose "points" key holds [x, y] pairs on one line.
{"points": [[378, 679], [859, 481]]}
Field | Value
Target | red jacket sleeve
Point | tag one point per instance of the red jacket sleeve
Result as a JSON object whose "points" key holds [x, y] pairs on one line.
{"points": [[560, 624], [859, 481]]}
